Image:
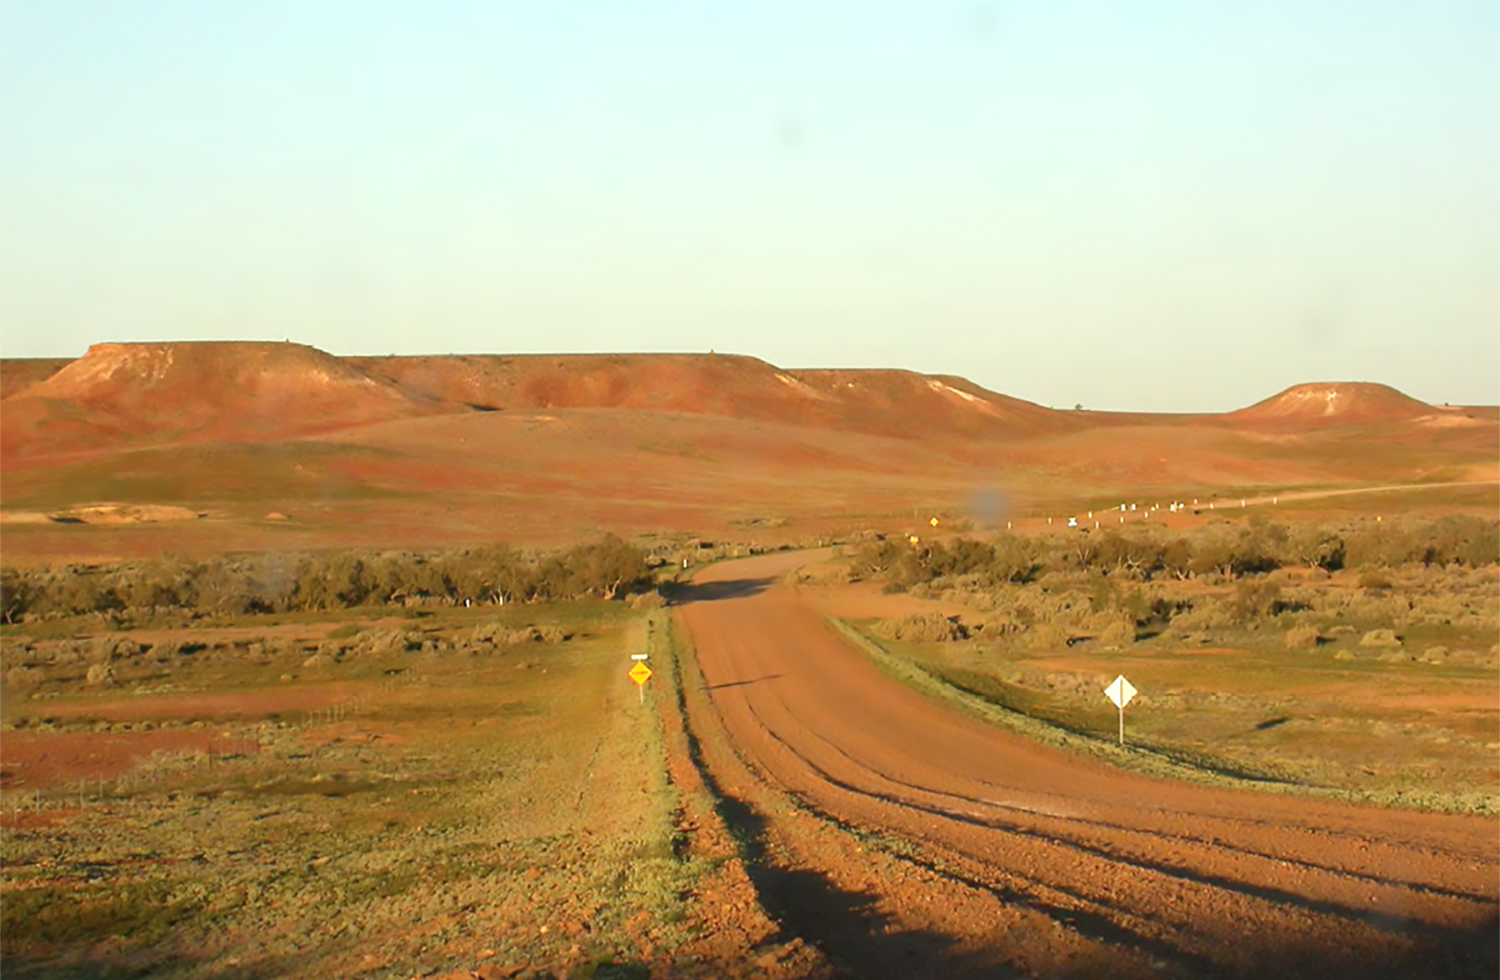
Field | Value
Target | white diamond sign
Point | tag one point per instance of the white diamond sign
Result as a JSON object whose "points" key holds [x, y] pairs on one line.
{"points": [[1120, 692]]}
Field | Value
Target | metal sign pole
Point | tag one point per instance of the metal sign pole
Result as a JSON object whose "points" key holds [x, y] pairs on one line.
{"points": [[1120, 692]]}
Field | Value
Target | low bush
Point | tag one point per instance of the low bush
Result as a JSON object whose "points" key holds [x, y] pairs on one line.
{"points": [[1255, 600], [1048, 636], [1119, 632], [923, 628], [903, 565], [1302, 637]]}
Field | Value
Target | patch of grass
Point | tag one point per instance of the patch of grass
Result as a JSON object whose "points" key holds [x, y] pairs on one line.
{"points": [[461, 810], [145, 912]]}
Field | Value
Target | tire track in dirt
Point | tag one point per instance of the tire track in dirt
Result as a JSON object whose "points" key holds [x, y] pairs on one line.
{"points": [[1205, 881], [872, 909], [1070, 897], [1113, 841]]}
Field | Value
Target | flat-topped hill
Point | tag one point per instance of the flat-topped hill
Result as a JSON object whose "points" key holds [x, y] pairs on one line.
{"points": [[130, 395], [162, 392], [886, 402], [279, 445]]}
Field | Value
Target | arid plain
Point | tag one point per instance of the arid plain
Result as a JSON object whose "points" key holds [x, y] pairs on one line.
{"points": [[316, 666]]}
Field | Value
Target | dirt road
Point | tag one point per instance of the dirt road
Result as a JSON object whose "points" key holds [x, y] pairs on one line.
{"points": [[1137, 876]]}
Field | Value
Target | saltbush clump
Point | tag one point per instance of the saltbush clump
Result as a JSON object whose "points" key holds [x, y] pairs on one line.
{"points": [[1379, 639], [1302, 637], [923, 628]]}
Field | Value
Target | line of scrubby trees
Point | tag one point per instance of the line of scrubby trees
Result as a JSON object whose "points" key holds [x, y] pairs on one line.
{"points": [[278, 582], [1225, 550]]}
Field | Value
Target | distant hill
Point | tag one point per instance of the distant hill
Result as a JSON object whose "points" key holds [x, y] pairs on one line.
{"points": [[133, 394], [1331, 404], [884, 402], [427, 451], [164, 392]]}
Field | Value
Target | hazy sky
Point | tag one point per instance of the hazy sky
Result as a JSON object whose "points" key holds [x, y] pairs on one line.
{"points": [[1145, 205]]}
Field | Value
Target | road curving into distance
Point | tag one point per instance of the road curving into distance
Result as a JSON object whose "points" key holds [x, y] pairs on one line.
{"points": [[1175, 879]]}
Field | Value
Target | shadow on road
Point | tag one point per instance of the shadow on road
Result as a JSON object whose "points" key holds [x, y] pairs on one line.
{"points": [[847, 925], [689, 592]]}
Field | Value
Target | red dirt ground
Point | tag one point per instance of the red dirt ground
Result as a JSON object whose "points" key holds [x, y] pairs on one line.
{"points": [[208, 707], [44, 760], [1127, 875]]}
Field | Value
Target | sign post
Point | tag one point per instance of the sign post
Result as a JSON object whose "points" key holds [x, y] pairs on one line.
{"points": [[640, 673], [1120, 692]]}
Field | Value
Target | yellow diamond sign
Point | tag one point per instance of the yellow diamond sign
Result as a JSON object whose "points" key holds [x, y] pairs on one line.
{"points": [[640, 673]]}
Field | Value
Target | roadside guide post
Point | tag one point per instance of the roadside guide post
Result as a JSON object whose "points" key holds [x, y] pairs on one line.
{"points": [[1120, 692], [640, 673]]}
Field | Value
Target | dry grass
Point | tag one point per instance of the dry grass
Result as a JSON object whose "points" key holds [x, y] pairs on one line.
{"points": [[449, 807]]}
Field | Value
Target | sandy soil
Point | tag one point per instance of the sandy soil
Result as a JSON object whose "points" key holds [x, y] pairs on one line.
{"points": [[1135, 876]]}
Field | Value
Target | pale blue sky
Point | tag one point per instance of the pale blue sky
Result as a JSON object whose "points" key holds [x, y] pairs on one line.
{"points": [[1150, 205]]}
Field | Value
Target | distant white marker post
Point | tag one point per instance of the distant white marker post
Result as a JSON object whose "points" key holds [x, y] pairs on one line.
{"points": [[1120, 692]]}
